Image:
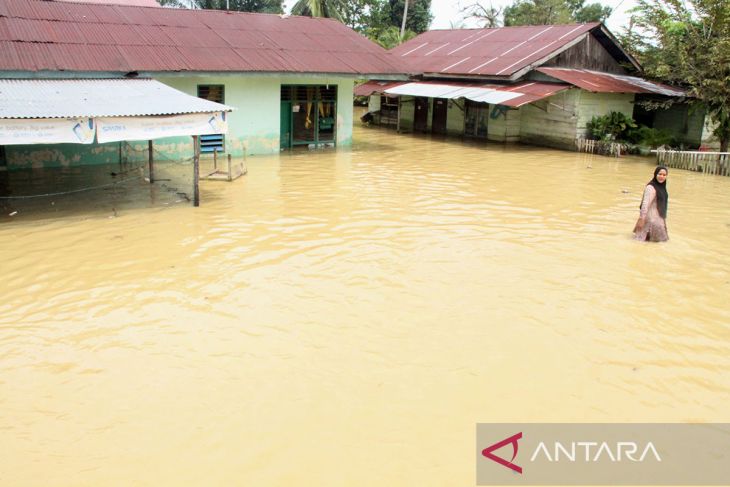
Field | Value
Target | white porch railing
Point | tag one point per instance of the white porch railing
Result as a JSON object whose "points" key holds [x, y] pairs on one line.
{"points": [[707, 162]]}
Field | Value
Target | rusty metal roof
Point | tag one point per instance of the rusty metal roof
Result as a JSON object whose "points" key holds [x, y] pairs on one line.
{"points": [[494, 52], [532, 91], [138, 3], [370, 87], [514, 95], [600, 82], [22, 98], [43, 35]]}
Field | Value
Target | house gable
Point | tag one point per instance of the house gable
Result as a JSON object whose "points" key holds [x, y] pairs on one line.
{"points": [[589, 53]]}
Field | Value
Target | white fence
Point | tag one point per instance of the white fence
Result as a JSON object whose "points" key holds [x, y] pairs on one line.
{"points": [[707, 162], [605, 148]]}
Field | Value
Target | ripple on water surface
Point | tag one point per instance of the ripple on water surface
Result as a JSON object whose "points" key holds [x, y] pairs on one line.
{"points": [[315, 320]]}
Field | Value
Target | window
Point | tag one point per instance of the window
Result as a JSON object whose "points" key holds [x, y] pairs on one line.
{"points": [[213, 142]]}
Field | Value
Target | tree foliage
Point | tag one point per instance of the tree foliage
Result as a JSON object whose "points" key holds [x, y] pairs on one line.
{"points": [[687, 42], [262, 6], [544, 12], [419, 14], [334, 9]]}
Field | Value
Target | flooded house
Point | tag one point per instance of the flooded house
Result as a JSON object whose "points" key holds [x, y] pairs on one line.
{"points": [[534, 84], [288, 80]]}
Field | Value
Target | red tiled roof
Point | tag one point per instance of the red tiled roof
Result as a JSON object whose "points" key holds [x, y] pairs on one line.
{"points": [[496, 52], [42, 35], [599, 82]]}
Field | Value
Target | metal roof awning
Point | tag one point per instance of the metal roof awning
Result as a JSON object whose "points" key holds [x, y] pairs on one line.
{"points": [[483, 93], [510, 95], [600, 82], [77, 111]]}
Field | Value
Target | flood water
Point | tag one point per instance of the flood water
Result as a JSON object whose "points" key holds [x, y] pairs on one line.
{"points": [[345, 318]]}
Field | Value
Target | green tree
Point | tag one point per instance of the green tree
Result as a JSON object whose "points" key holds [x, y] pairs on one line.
{"points": [[593, 12], [419, 14], [544, 12], [334, 9], [537, 12], [687, 42], [263, 6]]}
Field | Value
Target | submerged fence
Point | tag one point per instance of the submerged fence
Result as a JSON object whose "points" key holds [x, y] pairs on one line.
{"points": [[707, 162], [606, 148]]}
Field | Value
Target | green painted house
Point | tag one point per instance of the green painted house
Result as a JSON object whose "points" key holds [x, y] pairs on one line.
{"points": [[288, 79]]}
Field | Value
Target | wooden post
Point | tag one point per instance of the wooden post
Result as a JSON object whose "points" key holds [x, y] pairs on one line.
{"points": [[196, 171], [215, 159], [121, 168], [230, 174], [151, 161]]}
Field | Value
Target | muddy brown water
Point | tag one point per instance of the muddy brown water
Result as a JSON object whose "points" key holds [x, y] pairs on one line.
{"points": [[346, 317]]}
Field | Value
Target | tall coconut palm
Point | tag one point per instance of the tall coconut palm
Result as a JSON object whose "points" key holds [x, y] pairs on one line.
{"points": [[320, 8]]}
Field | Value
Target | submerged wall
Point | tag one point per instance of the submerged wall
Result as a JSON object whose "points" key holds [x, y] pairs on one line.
{"points": [[505, 126], [253, 127]]}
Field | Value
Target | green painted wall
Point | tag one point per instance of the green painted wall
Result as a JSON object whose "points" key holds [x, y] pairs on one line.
{"points": [[407, 112], [253, 126], [684, 124], [455, 117], [506, 126]]}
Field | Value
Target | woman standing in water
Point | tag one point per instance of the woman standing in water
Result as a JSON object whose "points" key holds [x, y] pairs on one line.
{"points": [[652, 223]]}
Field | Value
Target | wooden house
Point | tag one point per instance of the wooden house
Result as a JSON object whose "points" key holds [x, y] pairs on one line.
{"points": [[533, 84]]}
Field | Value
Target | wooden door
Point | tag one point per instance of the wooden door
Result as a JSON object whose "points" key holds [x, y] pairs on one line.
{"points": [[438, 124], [420, 119]]}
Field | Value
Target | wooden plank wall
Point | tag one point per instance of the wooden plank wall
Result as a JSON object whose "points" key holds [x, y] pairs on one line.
{"points": [[551, 122], [587, 54], [505, 127]]}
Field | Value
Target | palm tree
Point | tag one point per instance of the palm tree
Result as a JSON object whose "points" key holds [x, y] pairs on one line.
{"points": [[320, 8]]}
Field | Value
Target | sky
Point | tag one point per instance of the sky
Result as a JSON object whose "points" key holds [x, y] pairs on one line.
{"points": [[447, 11]]}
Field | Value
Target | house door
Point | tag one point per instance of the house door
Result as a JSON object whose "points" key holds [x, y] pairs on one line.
{"points": [[438, 124], [285, 125], [475, 119], [420, 119]]}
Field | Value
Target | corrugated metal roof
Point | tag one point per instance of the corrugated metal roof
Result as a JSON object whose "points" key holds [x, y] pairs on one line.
{"points": [[98, 37], [96, 98], [495, 52], [599, 82], [511, 95], [370, 87], [138, 3], [482, 94]]}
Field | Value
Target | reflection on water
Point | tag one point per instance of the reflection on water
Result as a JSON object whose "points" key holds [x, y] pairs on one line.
{"points": [[346, 317]]}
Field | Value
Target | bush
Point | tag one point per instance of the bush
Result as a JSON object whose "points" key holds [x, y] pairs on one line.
{"points": [[612, 126], [649, 137]]}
